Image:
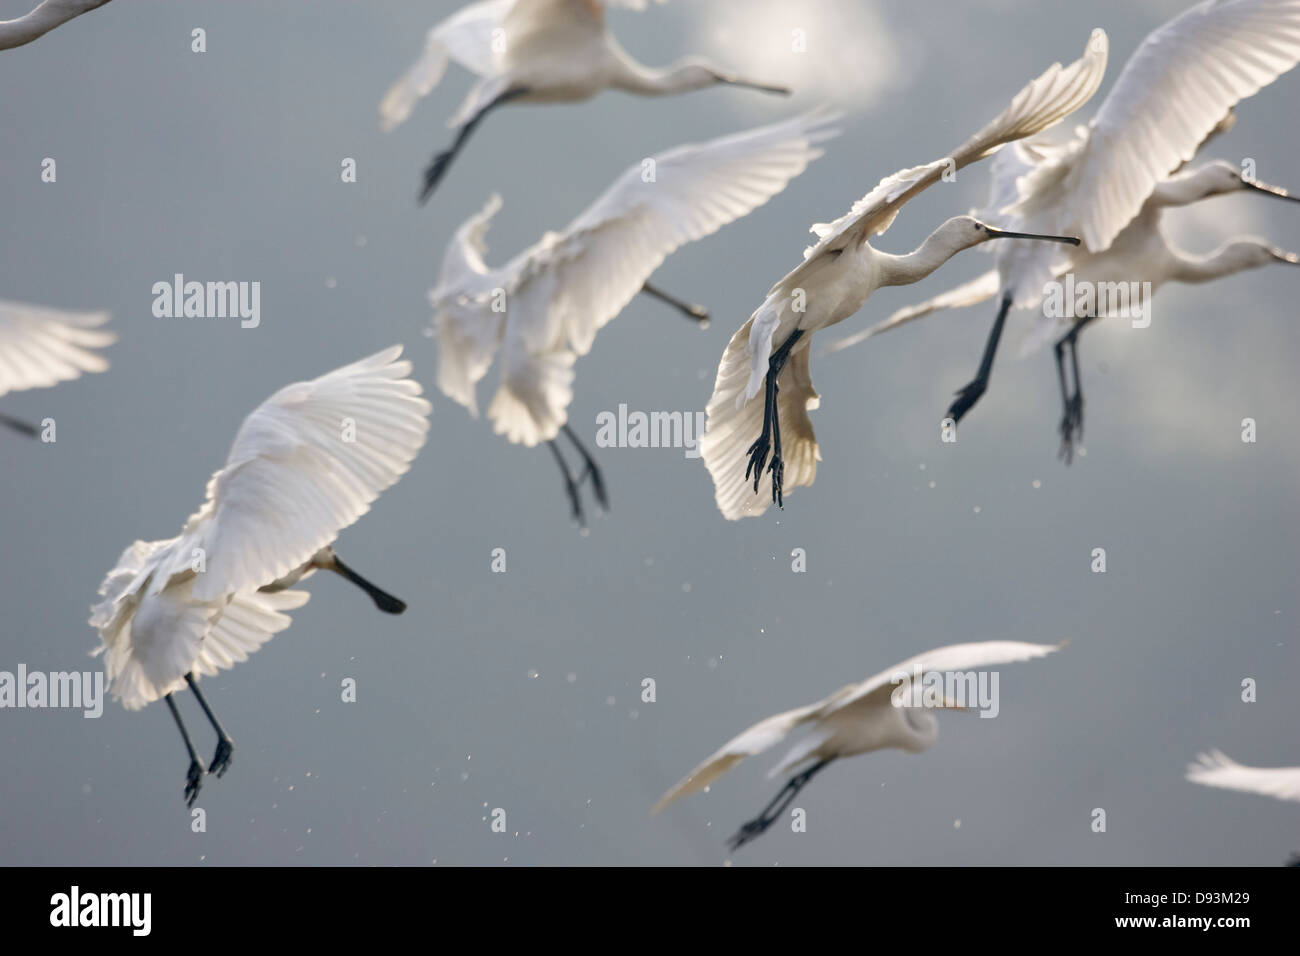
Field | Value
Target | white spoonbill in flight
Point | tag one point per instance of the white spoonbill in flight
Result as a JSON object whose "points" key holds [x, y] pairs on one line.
{"points": [[305, 464], [536, 51], [770, 352], [40, 347], [543, 308], [47, 15], [1112, 181], [890, 710]]}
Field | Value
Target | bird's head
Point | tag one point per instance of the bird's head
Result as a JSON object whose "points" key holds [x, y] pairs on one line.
{"points": [[1252, 253], [962, 232], [923, 726], [1221, 177]]}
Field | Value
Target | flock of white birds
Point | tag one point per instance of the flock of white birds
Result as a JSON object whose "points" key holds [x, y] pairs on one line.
{"points": [[308, 461]]}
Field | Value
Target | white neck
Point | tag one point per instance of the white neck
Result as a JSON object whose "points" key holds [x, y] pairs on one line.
{"points": [[1225, 261], [633, 77], [47, 16], [917, 264]]}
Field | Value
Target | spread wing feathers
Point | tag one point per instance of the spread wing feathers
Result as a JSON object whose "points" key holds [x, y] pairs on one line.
{"points": [[305, 464], [246, 623], [755, 740], [169, 634], [731, 429], [466, 37], [1216, 769], [1051, 97], [1173, 91], [40, 346], [607, 253], [954, 657], [469, 323], [977, 290]]}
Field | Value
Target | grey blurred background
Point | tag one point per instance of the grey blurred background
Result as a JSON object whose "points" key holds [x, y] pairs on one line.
{"points": [[522, 690]]}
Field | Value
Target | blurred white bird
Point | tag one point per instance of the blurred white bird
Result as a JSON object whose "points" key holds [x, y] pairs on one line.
{"points": [[837, 276], [543, 308], [536, 51], [1113, 180], [40, 347], [47, 15], [1216, 769], [305, 464], [859, 718]]}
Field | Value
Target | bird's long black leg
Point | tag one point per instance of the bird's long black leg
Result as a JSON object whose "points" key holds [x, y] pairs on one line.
{"points": [[438, 167], [1072, 420], [17, 425], [697, 312], [758, 451], [194, 776], [969, 394], [225, 745], [591, 470], [383, 600], [570, 484], [776, 809]]}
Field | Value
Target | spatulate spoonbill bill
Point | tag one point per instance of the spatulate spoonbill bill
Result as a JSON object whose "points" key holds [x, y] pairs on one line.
{"points": [[305, 464], [886, 711], [44, 18], [543, 308], [770, 352], [1112, 181], [536, 51], [40, 347]]}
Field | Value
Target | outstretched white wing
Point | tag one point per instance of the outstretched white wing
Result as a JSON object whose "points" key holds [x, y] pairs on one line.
{"points": [[305, 464], [608, 252], [40, 346], [1216, 769], [954, 657], [1173, 91], [764, 734]]}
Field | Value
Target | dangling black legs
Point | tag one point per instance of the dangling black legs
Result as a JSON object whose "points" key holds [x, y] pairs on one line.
{"points": [[776, 809], [225, 745], [771, 435], [571, 484], [194, 776], [31, 431], [971, 393], [438, 167], [1071, 426], [697, 312]]}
